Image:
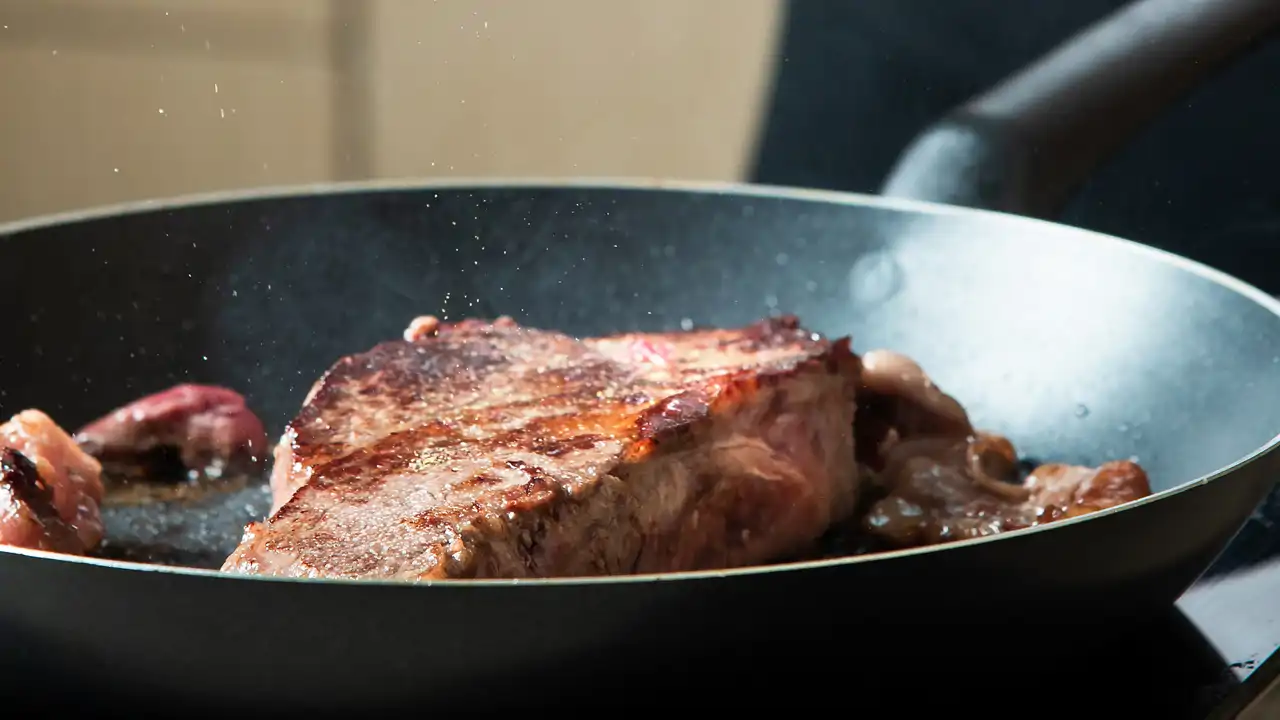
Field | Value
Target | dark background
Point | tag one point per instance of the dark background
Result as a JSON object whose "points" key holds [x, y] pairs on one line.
{"points": [[857, 80]]}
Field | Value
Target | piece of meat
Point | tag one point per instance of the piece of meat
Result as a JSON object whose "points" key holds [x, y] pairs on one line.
{"points": [[50, 490], [484, 450], [938, 479], [897, 400], [28, 516], [205, 428], [941, 490]]}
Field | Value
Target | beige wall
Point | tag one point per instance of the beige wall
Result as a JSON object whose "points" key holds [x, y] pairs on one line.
{"points": [[109, 101], [569, 87]]}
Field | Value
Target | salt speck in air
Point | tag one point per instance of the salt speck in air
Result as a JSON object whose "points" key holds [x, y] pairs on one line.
{"points": [[161, 111], [115, 169], [215, 87], [222, 112]]}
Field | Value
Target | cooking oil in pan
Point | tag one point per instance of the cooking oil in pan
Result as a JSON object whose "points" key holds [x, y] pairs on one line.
{"points": [[195, 521]]}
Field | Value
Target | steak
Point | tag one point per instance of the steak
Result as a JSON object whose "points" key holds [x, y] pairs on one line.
{"points": [[488, 450]]}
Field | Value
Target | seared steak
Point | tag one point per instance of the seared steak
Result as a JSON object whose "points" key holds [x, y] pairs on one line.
{"points": [[487, 450]]}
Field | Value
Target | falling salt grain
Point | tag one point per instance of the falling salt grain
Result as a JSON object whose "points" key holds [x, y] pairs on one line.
{"points": [[686, 324]]}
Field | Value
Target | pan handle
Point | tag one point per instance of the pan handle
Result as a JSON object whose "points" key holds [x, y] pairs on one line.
{"points": [[1026, 145]]}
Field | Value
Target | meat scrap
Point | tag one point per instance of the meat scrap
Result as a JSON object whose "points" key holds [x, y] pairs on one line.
{"points": [[897, 400], [50, 490], [941, 480], [944, 490], [485, 450], [206, 429]]}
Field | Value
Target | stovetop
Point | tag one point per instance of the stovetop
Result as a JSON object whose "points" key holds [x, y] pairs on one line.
{"points": [[1226, 650], [1209, 658]]}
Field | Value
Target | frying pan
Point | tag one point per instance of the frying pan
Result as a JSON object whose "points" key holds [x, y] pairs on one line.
{"points": [[1078, 346]]}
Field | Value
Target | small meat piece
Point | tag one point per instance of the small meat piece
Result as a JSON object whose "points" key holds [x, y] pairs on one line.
{"points": [[897, 400], [488, 450], [941, 490], [423, 326], [209, 429], [938, 479], [50, 490]]}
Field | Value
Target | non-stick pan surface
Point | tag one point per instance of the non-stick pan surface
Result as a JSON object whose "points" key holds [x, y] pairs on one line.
{"points": [[1080, 347]]}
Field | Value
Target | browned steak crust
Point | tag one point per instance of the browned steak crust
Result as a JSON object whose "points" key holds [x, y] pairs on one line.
{"points": [[489, 450]]}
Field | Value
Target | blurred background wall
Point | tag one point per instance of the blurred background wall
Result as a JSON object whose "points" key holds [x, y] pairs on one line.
{"points": [[104, 101]]}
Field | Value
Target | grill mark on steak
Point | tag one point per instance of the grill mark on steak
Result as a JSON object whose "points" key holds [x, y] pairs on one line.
{"points": [[552, 447], [491, 450]]}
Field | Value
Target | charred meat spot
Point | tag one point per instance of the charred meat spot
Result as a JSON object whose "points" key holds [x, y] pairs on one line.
{"points": [[541, 487], [425, 520], [535, 473], [21, 475], [556, 448], [37, 506], [672, 413]]}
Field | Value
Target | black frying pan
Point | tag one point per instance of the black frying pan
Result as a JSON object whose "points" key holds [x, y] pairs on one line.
{"points": [[1080, 347]]}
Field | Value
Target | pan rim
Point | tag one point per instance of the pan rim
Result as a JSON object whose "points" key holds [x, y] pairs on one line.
{"points": [[702, 187]]}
